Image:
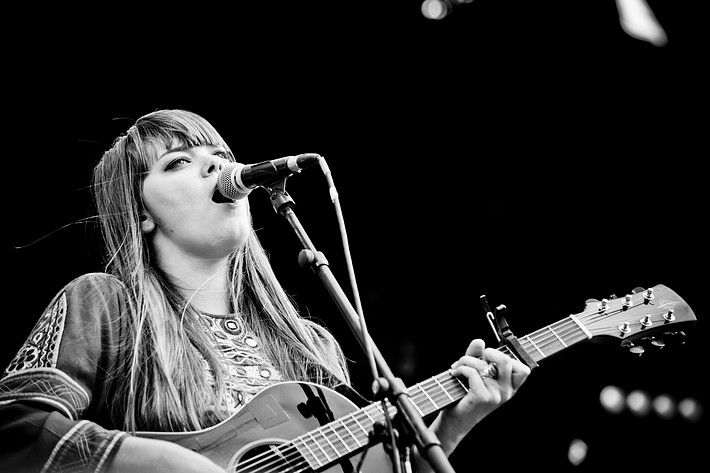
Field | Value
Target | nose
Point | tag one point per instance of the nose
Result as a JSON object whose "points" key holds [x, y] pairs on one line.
{"points": [[212, 166]]}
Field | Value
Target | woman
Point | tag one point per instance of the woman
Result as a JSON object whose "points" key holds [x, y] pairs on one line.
{"points": [[185, 327]]}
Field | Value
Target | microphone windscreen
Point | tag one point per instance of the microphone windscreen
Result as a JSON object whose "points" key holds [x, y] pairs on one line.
{"points": [[226, 183]]}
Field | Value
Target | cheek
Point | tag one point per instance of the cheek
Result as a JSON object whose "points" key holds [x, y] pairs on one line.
{"points": [[165, 202]]}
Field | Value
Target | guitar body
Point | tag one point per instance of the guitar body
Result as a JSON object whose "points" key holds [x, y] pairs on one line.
{"points": [[278, 414]]}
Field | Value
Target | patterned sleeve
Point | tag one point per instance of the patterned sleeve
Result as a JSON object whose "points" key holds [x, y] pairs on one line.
{"points": [[53, 393]]}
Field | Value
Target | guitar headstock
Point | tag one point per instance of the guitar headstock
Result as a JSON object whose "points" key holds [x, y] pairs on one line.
{"points": [[646, 314]]}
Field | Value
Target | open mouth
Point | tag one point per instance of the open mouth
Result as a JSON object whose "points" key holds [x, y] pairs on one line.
{"points": [[218, 198]]}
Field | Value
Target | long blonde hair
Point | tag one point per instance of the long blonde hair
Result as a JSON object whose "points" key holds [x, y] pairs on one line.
{"points": [[161, 382]]}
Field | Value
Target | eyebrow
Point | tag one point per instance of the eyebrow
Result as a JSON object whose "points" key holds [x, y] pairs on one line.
{"points": [[174, 150], [183, 148]]}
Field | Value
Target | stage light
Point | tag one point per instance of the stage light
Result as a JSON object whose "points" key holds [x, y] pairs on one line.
{"points": [[612, 399], [577, 451], [664, 406], [638, 403], [637, 20], [435, 9], [690, 409]]}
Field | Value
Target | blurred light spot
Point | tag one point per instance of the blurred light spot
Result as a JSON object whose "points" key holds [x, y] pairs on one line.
{"points": [[664, 406], [638, 403], [435, 9], [612, 399], [690, 409], [638, 21], [577, 451]]}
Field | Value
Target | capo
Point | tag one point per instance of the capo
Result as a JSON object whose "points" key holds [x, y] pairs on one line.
{"points": [[503, 334]]}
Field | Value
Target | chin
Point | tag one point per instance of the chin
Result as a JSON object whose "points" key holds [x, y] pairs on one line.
{"points": [[229, 244]]}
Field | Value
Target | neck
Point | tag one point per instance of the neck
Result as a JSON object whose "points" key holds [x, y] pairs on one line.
{"points": [[203, 282]]}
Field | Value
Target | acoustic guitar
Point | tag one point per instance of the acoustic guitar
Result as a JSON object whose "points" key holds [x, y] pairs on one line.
{"points": [[294, 427]]}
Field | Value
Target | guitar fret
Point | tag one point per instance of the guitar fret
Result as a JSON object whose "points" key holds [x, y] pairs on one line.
{"points": [[360, 425], [347, 429], [372, 419], [461, 384], [427, 396], [313, 454], [325, 436], [444, 389], [347, 447], [558, 337], [417, 408], [535, 346], [325, 454]]}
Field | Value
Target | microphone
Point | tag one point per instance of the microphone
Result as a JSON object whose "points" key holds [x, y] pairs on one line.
{"points": [[237, 180]]}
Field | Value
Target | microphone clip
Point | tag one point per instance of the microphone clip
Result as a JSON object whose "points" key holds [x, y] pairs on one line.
{"points": [[280, 199]]}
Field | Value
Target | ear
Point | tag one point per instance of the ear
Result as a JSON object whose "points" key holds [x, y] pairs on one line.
{"points": [[147, 223]]}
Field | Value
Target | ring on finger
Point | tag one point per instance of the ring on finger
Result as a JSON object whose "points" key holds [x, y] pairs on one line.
{"points": [[490, 371]]}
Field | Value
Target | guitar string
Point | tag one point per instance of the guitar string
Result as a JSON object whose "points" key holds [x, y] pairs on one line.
{"points": [[551, 335]]}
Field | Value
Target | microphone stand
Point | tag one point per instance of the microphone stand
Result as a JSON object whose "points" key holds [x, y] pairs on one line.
{"points": [[426, 441]]}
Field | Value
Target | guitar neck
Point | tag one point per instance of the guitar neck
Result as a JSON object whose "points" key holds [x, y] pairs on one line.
{"points": [[437, 392]]}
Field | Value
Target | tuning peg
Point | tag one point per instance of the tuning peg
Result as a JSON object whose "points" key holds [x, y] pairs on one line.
{"points": [[669, 315], [627, 302], [624, 327], [603, 305], [648, 295]]}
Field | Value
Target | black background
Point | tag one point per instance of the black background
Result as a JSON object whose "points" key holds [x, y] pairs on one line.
{"points": [[529, 151]]}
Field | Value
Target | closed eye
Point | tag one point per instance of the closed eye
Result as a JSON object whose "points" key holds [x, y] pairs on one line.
{"points": [[177, 162]]}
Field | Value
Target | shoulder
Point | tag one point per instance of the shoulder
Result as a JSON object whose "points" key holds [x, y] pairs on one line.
{"points": [[95, 282], [93, 286], [88, 295]]}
